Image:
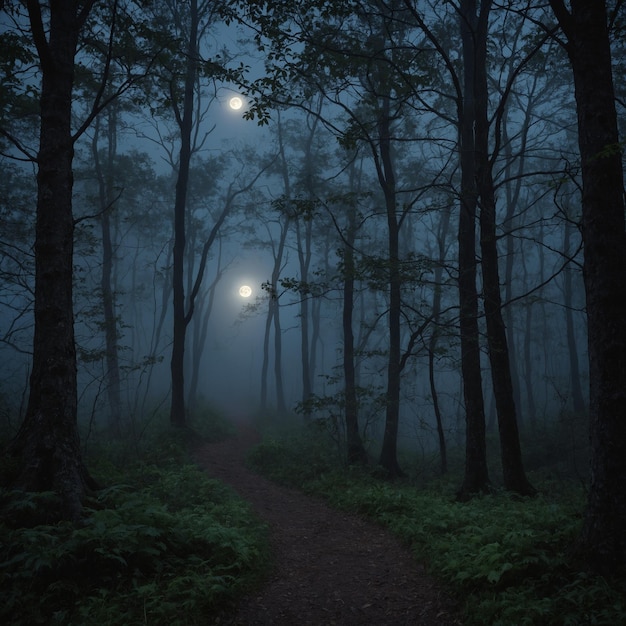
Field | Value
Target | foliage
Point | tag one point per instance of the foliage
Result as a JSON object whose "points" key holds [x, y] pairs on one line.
{"points": [[508, 557], [170, 546], [296, 459]]}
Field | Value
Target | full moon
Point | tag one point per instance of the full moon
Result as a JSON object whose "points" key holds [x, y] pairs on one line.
{"points": [[245, 291], [235, 103]]}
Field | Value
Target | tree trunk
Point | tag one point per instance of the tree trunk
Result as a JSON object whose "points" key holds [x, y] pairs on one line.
{"points": [[47, 444], [177, 364], [603, 541], [578, 403], [281, 406], [200, 332], [476, 478], [273, 318], [266, 354], [511, 454], [444, 225], [304, 260], [355, 451], [106, 199], [386, 175], [528, 367]]}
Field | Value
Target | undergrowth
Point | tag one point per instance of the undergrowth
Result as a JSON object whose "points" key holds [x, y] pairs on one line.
{"points": [[167, 545], [505, 557]]}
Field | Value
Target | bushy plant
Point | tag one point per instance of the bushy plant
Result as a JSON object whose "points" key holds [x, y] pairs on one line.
{"points": [[296, 459], [506, 557], [170, 546]]}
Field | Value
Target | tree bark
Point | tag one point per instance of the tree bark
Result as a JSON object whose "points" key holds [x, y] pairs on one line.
{"points": [[578, 403], [603, 540], [177, 409], [355, 451], [476, 478], [47, 444], [105, 196], [512, 466], [442, 235], [386, 175]]}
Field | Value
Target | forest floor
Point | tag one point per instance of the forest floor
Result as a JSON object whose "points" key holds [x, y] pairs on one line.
{"points": [[330, 567]]}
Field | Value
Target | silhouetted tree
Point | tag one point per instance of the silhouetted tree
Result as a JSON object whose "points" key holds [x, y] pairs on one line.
{"points": [[585, 26], [47, 444]]}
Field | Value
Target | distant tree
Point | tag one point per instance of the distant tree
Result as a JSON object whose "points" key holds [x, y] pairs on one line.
{"points": [[180, 88], [272, 320], [106, 199], [433, 342], [184, 113], [355, 450], [585, 26]]}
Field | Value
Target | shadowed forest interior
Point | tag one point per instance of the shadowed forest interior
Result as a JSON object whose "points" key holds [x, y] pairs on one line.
{"points": [[376, 248]]}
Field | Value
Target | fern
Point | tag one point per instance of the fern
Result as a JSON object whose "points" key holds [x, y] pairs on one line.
{"points": [[139, 555]]}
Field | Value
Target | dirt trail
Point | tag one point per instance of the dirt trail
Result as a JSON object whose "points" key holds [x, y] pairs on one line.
{"points": [[330, 567]]}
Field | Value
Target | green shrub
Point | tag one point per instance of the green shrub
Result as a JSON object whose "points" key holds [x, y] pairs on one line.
{"points": [[176, 548], [506, 556]]}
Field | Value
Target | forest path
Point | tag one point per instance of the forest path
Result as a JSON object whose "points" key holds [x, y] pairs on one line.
{"points": [[331, 568]]}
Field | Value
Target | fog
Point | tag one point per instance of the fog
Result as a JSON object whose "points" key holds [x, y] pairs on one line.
{"points": [[295, 181]]}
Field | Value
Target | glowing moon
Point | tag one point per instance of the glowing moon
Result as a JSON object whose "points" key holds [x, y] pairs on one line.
{"points": [[245, 291], [235, 103]]}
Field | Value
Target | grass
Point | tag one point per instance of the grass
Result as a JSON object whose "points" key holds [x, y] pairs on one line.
{"points": [[506, 558], [164, 544]]}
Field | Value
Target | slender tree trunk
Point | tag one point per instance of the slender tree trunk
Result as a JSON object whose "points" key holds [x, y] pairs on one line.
{"points": [[281, 406], [273, 313], [200, 332], [304, 259], [106, 199], [386, 175], [444, 225], [177, 364], [574, 369], [476, 478], [47, 444], [266, 353], [513, 190], [528, 361], [512, 465], [355, 451], [603, 540]]}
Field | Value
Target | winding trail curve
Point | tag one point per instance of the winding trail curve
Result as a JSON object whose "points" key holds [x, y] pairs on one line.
{"points": [[331, 568]]}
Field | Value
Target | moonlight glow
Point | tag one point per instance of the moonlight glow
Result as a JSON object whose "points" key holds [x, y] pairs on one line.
{"points": [[245, 291], [235, 103]]}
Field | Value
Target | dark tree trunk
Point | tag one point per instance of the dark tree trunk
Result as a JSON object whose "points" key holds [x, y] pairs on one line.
{"points": [[444, 225], [47, 444], [386, 175], [476, 478], [355, 451], [304, 260], [511, 454], [513, 190], [528, 367], [578, 403], [273, 318], [200, 332], [603, 540], [441, 435], [266, 354], [177, 410], [305, 221], [281, 406], [106, 199]]}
